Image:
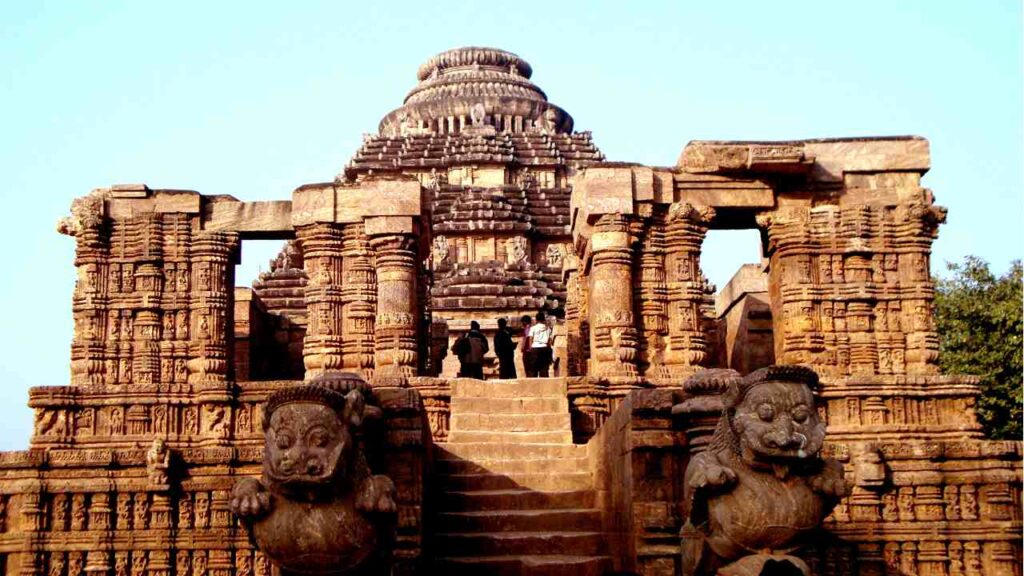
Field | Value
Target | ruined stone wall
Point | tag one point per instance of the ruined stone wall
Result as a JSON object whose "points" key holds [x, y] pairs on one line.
{"points": [[153, 359], [849, 231]]}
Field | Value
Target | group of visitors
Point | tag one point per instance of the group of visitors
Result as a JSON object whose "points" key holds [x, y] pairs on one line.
{"points": [[534, 346]]}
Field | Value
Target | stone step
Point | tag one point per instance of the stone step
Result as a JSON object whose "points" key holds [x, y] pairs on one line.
{"points": [[493, 451], [531, 481], [534, 565], [562, 565], [514, 543], [583, 519], [460, 436], [455, 465], [473, 405], [482, 500], [518, 388], [551, 422]]}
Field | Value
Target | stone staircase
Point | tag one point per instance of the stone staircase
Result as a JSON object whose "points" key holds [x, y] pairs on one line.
{"points": [[515, 494]]}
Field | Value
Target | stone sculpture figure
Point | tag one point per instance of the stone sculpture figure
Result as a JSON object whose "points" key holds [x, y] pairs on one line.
{"points": [[318, 508], [158, 462], [761, 486]]}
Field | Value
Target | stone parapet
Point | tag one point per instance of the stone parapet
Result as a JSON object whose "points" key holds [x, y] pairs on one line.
{"points": [[96, 505], [638, 457]]}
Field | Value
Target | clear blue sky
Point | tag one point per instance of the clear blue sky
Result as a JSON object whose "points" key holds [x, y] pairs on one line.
{"points": [[253, 99]]}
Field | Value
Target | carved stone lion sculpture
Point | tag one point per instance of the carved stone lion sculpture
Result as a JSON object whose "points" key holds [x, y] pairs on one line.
{"points": [[318, 508], [761, 486]]}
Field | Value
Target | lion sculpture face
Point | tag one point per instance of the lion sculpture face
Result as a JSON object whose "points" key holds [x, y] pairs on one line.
{"points": [[305, 442], [308, 441], [776, 421]]}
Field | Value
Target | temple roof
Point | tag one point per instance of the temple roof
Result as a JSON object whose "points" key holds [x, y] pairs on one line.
{"points": [[475, 87], [423, 152]]}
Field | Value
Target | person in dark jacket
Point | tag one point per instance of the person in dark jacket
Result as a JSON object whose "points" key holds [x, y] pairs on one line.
{"points": [[471, 348], [505, 349]]}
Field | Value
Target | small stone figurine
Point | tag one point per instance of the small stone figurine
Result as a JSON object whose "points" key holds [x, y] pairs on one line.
{"points": [[158, 462], [761, 486], [318, 509]]}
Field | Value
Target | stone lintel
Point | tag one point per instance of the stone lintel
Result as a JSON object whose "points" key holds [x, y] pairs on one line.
{"points": [[352, 202], [723, 191], [833, 157], [712, 157], [824, 160], [248, 217], [160, 201], [129, 191], [313, 203]]}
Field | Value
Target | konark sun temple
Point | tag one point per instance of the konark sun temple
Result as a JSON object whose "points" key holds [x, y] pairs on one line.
{"points": [[317, 423]]}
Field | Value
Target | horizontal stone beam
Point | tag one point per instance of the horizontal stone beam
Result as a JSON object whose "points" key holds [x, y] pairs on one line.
{"points": [[823, 159], [352, 202], [248, 218], [125, 201]]}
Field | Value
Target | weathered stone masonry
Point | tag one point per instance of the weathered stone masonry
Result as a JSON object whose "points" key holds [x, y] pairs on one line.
{"points": [[475, 200]]}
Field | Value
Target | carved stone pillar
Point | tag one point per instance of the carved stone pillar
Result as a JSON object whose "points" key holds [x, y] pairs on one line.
{"points": [[87, 224], [322, 251], [213, 255], [685, 230], [613, 339], [791, 240], [147, 255], [359, 293], [915, 229], [396, 354], [577, 320], [651, 301]]}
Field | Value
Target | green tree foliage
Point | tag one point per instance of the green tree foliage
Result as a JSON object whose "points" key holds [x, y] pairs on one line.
{"points": [[980, 333]]}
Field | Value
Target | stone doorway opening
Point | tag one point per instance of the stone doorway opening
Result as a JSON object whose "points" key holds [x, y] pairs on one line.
{"points": [[269, 310], [741, 334]]}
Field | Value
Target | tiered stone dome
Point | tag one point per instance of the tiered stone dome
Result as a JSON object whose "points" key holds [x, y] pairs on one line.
{"points": [[475, 86], [477, 209], [490, 285]]}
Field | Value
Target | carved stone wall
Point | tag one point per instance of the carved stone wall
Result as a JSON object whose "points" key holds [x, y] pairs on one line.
{"points": [[151, 301], [96, 508], [853, 282], [477, 199], [848, 232]]}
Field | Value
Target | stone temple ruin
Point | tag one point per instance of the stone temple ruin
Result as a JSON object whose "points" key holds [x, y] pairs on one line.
{"points": [[478, 200]]}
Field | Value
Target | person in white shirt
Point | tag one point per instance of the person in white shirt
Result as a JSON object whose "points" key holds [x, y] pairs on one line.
{"points": [[540, 336]]}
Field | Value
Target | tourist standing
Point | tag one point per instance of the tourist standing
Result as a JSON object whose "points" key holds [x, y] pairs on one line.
{"points": [[470, 349], [540, 345], [524, 347], [505, 349]]}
